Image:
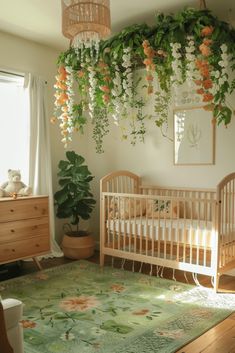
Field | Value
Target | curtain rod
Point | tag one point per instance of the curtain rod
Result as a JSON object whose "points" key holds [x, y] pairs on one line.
{"points": [[13, 74]]}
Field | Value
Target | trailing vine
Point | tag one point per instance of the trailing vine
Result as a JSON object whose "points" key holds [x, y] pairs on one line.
{"points": [[192, 47]]}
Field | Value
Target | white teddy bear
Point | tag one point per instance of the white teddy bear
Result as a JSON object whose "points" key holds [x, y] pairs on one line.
{"points": [[14, 185]]}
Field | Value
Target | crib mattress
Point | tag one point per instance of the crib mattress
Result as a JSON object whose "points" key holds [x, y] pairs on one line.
{"points": [[177, 230]]}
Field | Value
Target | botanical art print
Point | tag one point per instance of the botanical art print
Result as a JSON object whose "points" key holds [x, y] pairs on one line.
{"points": [[194, 136], [192, 47], [81, 307]]}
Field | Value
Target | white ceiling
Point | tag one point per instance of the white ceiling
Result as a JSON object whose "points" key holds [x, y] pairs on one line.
{"points": [[40, 20]]}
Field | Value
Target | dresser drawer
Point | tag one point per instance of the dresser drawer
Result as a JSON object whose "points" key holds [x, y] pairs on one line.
{"points": [[25, 248], [20, 230], [20, 209]]}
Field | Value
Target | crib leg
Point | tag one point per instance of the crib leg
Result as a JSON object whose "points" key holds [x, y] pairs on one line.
{"points": [[102, 259], [216, 282]]}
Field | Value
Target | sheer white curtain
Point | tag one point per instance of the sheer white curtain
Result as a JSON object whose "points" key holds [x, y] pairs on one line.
{"points": [[40, 176]]}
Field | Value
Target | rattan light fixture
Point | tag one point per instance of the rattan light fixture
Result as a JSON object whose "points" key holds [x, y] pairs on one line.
{"points": [[85, 22]]}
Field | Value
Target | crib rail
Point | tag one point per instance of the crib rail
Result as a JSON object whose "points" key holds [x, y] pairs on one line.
{"points": [[121, 182], [226, 223], [160, 229], [190, 193]]}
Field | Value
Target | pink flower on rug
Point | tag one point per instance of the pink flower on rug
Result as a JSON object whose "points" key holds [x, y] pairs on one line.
{"points": [[28, 324], [117, 288], [141, 312], [174, 334], [81, 303]]}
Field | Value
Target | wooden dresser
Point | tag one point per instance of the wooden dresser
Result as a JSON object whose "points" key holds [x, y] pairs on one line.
{"points": [[24, 228]]}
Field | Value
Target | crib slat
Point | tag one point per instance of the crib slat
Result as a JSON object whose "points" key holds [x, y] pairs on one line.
{"points": [[108, 199], [125, 225], [141, 226], [198, 230], [170, 230], [190, 233], [233, 225], [114, 226], [130, 224], [119, 224], [152, 235], [229, 219], [159, 237], [135, 230], [146, 232]]}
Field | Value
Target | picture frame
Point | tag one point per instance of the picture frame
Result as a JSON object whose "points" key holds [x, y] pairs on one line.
{"points": [[194, 136]]}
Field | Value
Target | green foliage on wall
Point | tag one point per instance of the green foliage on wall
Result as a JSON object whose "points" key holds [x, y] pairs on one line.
{"points": [[192, 47]]}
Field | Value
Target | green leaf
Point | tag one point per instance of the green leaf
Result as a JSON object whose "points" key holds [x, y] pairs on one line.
{"points": [[60, 196], [113, 326], [63, 165]]}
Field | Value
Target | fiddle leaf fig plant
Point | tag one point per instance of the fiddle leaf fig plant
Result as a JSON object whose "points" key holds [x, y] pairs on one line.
{"points": [[74, 200]]}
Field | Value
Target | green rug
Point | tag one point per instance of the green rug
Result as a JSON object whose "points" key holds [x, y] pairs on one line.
{"points": [[80, 308]]}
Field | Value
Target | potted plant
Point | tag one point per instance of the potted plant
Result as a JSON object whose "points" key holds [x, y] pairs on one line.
{"points": [[74, 201]]}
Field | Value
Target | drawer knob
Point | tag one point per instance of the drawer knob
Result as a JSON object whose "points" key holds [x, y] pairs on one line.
{"points": [[13, 250], [12, 230], [35, 207], [12, 210], [37, 245]]}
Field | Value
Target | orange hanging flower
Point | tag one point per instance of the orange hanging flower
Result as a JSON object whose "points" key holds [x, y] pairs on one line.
{"points": [[148, 62], [198, 82], [207, 41], [207, 84], [106, 98], [149, 78], [149, 52], [207, 31], [205, 72], [205, 50], [81, 73], [105, 89], [208, 97], [200, 91], [145, 43]]}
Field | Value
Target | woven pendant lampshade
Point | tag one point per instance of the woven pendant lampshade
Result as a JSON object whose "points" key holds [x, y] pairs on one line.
{"points": [[85, 21]]}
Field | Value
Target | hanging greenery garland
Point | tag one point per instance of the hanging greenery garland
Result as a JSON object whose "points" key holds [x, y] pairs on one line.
{"points": [[192, 47]]}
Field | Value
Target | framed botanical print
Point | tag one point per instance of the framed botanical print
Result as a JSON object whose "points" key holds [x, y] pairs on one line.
{"points": [[194, 136]]}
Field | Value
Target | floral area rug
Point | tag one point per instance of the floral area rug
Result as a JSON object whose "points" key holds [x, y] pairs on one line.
{"points": [[80, 307]]}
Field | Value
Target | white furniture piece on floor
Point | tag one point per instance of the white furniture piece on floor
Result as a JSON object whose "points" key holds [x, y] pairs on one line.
{"points": [[11, 332]]}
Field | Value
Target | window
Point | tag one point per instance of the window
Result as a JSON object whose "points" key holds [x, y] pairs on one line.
{"points": [[14, 126]]}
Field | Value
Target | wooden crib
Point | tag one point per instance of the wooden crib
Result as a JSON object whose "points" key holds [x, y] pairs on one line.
{"points": [[181, 228]]}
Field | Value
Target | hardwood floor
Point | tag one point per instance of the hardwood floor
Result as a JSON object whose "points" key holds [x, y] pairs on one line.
{"points": [[219, 339]]}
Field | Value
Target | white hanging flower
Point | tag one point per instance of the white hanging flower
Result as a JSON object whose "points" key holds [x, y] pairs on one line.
{"points": [[176, 64], [127, 82], [221, 76], [70, 102], [92, 88], [116, 92], [191, 72]]}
